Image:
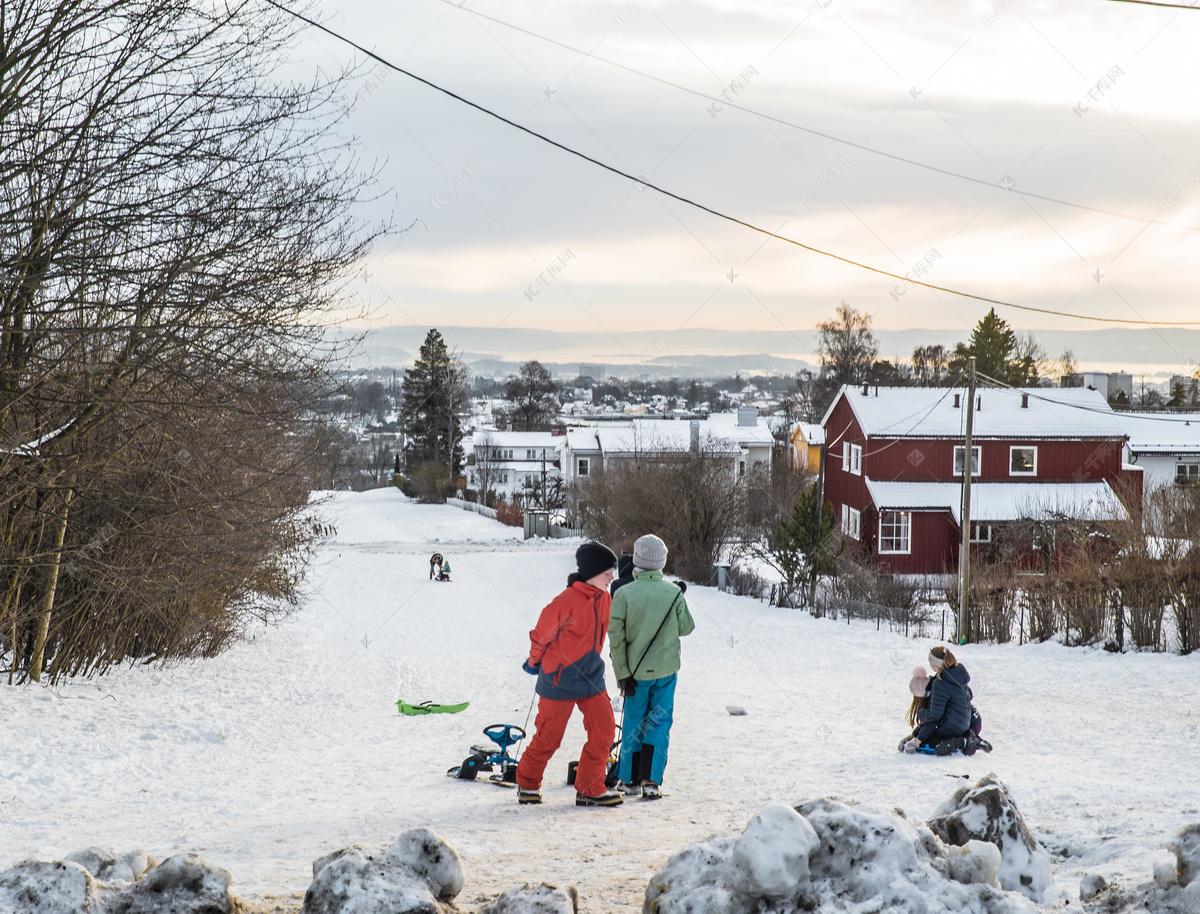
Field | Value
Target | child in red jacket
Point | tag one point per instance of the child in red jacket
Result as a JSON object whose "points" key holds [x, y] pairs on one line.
{"points": [[564, 654]]}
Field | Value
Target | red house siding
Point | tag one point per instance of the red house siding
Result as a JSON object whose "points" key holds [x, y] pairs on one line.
{"points": [[934, 546], [841, 486]]}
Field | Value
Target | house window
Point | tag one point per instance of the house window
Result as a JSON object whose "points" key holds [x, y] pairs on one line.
{"points": [[503, 480], [851, 521], [845, 456], [981, 533], [582, 466], [976, 459], [1022, 461], [856, 459], [741, 468], [1187, 473], [895, 531]]}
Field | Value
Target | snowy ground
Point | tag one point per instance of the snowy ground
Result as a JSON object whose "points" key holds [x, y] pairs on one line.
{"points": [[290, 746]]}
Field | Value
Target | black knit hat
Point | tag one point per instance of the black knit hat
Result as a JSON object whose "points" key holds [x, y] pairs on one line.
{"points": [[592, 559]]}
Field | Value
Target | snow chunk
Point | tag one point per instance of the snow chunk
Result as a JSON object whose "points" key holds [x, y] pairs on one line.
{"points": [[431, 858], [976, 862], [864, 862], [770, 859], [531, 899], [1091, 885], [183, 884], [39, 887], [986, 812], [107, 867], [1186, 848], [1164, 874]]}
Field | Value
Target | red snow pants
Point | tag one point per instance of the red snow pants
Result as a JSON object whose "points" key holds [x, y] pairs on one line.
{"points": [[551, 723]]}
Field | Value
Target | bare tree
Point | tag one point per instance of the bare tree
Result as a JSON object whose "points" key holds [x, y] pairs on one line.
{"points": [[175, 226], [488, 463]]}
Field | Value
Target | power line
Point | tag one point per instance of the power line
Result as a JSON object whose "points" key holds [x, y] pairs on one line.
{"points": [[1109, 411], [700, 206], [1174, 6], [994, 185]]}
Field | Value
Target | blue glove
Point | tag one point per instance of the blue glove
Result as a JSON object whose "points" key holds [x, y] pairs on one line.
{"points": [[530, 668]]}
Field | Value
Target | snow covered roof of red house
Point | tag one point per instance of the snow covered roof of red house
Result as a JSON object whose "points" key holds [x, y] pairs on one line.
{"points": [[1162, 433], [929, 412], [1003, 501]]}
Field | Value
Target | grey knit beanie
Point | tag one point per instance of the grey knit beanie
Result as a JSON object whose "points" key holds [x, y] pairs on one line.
{"points": [[650, 553]]}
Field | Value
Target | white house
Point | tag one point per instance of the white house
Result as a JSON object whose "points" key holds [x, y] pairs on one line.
{"points": [[1165, 445], [512, 463], [743, 435]]}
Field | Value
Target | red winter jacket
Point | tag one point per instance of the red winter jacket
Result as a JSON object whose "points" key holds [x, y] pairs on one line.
{"points": [[565, 644]]}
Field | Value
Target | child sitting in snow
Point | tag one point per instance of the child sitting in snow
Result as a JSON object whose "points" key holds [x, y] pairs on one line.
{"points": [[941, 711]]}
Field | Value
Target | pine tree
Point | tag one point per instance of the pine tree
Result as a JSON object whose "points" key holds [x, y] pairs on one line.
{"points": [[1000, 353], [802, 546], [434, 401]]}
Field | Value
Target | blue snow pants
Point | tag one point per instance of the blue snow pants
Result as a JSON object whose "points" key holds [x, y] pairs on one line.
{"points": [[646, 730]]}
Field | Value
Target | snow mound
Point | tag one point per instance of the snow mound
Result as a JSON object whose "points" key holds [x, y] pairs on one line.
{"points": [[770, 858], [183, 884], [413, 876], [41, 887], [1173, 889], [534, 899], [862, 862], [986, 812], [106, 866]]}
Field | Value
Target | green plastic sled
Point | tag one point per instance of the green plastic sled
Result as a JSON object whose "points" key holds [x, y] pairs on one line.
{"points": [[428, 707]]}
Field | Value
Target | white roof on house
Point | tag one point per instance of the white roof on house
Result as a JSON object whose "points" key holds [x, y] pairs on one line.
{"points": [[813, 434], [929, 412], [517, 439], [668, 435], [1163, 433], [1002, 501]]}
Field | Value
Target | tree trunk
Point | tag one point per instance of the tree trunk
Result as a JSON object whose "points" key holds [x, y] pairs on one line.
{"points": [[43, 629]]}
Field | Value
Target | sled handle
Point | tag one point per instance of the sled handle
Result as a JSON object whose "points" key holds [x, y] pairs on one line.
{"points": [[504, 735]]}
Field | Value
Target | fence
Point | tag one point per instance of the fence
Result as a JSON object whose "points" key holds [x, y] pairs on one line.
{"points": [[472, 506]]}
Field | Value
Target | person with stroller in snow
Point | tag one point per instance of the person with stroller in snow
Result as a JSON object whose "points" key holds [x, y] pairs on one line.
{"points": [[649, 616], [444, 571], [942, 714], [435, 565], [564, 654]]}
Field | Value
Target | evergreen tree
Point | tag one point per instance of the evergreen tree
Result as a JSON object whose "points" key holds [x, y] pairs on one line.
{"points": [[802, 547], [434, 402], [1000, 353], [533, 404]]}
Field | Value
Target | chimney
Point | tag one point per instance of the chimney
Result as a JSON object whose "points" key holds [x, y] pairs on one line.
{"points": [[956, 401], [866, 389], [747, 415], [694, 432], [979, 403], [1024, 401]]}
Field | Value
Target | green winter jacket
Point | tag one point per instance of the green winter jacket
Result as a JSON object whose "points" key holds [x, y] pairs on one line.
{"points": [[638, 609]]}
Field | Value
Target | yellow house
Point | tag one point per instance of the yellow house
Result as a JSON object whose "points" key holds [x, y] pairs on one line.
{"points": [[807, 440]]}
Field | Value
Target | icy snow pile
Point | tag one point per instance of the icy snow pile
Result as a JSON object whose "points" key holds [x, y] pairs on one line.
{"points": [[413, 876], [534, 899], [97, 882], [831, 856], [1174, 889], [986, 812]]}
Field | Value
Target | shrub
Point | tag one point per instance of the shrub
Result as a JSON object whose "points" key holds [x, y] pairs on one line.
{"points": [[510, 514]]}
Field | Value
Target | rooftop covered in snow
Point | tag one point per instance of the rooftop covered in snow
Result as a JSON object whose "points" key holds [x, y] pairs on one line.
{"points": [[940, 412], [1003, 501]]}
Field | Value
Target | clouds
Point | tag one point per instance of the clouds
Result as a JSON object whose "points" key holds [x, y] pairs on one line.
{"points": [[1083, 104]]}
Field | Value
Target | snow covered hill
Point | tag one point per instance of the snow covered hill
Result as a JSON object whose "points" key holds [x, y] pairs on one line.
{"points": [[290, 746]]}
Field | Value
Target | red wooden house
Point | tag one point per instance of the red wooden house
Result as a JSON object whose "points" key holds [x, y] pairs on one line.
{"points": [[1037, 453]]}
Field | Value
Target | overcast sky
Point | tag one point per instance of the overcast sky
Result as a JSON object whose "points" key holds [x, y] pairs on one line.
{"points": [[1086, 101]]}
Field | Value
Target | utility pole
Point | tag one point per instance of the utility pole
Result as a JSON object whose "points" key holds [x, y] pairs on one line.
{"points": [[964, 549], [812, 590]]}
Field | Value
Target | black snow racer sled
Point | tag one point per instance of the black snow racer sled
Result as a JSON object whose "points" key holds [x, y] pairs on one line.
{"points": [[497, 761]]}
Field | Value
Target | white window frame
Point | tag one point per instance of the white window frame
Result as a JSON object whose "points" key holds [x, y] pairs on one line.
{"points": [[903, 535], [1189, 476], [851, 522], [1012, 452], [856, 459], [977, 533], [583, 466], [845, 456], [976, 460]]}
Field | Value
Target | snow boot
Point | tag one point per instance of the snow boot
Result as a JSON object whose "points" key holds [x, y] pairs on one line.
{"points": [[608, 798], [630, 790], [650, 791], [910, 745], [528, 796], [950, 746]]}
